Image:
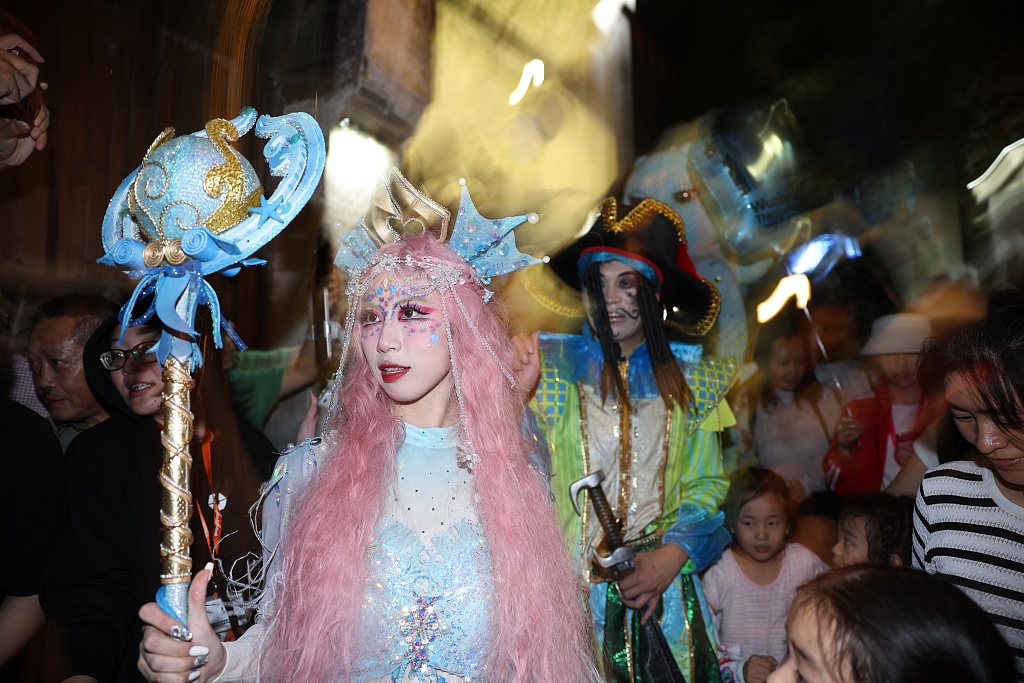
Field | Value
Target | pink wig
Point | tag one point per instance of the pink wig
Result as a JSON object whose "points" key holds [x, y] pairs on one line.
{"points": [[538, 629]]}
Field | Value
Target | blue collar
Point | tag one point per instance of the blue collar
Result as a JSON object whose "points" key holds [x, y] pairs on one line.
{"points": [[431, 437], [578, 357]]}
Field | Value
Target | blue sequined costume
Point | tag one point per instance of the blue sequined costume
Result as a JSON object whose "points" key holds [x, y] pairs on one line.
{"points": [[425, 611]]}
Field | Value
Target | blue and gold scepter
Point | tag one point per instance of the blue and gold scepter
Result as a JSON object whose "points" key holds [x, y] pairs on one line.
{"points": [[195, 207]]}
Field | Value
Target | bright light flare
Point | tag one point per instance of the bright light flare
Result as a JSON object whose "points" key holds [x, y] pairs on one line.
{"points": [[533, 70], [607, 12], [1011, 155], [792, 285], [356, 162]]}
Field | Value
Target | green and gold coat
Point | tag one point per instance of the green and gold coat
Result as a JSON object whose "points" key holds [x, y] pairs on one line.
{"points": [[664, 479]]}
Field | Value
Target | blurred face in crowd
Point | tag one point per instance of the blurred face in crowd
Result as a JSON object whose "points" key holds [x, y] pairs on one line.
{"points": [[403, 339], [1002, 445], [140, 383], [810, 651], [900, 368], [55, 357], [852, 546], [619, 285], [835, 326], [787, 363], [762, 527]]}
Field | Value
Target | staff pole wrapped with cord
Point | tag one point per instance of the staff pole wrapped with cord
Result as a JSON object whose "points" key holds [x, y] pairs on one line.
{"points": [[195, 207]]}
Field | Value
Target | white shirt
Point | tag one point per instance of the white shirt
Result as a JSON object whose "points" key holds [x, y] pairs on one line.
{"points": [[926, 446], [750, 617], [903, 418], [791, 440]]}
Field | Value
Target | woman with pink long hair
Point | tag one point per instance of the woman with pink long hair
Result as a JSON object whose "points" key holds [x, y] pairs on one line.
{"points": [[416, 542]]}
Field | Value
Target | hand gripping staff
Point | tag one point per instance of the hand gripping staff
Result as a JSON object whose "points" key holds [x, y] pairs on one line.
{"points": [[195, 207], [658, 664]]}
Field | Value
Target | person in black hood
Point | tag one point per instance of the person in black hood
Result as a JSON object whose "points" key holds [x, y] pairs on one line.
{"points": [[114, 499]]}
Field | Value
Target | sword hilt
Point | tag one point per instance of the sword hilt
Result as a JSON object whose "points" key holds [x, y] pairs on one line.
{"points": [[592, 483], [607, 519]]}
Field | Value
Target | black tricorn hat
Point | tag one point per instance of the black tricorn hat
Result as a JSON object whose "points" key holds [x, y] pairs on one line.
{"points": [[651, 238]]}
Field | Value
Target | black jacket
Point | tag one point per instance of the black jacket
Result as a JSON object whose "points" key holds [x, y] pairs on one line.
{"points": [[113, 503], [33, 502]]}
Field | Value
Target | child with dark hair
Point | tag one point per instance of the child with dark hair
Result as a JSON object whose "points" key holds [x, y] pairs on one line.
{"points": [[793, 415], [875, 528], [889, 625], [750, 588]]}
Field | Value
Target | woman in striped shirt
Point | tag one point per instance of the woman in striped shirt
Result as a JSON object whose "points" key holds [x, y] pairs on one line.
{"points": [[969, 517]]}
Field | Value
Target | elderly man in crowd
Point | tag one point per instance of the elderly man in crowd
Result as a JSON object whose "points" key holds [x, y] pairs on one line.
{"points": [[60, 330]]}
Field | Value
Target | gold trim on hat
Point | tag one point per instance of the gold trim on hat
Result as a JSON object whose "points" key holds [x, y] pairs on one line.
{"points": [[532, 288], [704, 325], [639, 216]]}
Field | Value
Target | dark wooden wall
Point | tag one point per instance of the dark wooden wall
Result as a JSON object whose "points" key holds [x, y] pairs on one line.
{"points": [[120, 71]]}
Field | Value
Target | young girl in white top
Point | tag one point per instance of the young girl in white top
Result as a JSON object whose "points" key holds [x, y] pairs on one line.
{"points": [[749, 590]]}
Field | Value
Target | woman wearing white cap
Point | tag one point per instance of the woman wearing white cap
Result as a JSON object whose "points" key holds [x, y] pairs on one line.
{"points": [[876, 434]]}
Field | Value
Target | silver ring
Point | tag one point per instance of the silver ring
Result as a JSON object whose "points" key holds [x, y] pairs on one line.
{"points": [[181, 633], [200, 660]]}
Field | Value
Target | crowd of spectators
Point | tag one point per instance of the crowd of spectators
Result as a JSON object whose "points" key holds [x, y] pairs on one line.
{"points": [[859, 441]]}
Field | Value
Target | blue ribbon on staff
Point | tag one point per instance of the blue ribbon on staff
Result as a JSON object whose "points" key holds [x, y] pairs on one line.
{"points": [[167, 284]]}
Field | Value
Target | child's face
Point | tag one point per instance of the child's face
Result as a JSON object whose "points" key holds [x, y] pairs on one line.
{"points": [[806, 661], [762, 527], [900, 368], [852, 546], [787, 363]]}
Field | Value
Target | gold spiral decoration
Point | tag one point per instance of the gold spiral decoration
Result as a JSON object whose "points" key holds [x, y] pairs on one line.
{"points": [[176, 506], [153, 254], [157, 253], [173, 253], [227, 181]]}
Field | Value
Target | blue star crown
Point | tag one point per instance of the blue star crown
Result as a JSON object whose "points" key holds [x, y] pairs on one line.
{"points": [[487, 245]]}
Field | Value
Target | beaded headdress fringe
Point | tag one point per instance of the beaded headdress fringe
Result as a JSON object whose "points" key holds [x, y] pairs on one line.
{"points": [[487, 246]]}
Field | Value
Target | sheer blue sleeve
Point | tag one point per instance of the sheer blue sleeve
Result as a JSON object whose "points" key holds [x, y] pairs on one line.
{"points": [[700, 534]]}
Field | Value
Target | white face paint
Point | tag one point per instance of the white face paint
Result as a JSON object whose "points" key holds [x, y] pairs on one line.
{"points": [[619, 284]]}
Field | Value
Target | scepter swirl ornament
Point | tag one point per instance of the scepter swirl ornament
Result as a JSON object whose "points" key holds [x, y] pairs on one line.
{"points": [[195, 207]]}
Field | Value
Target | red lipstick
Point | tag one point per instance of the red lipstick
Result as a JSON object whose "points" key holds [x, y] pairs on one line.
{"points": [[392, 372]]}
